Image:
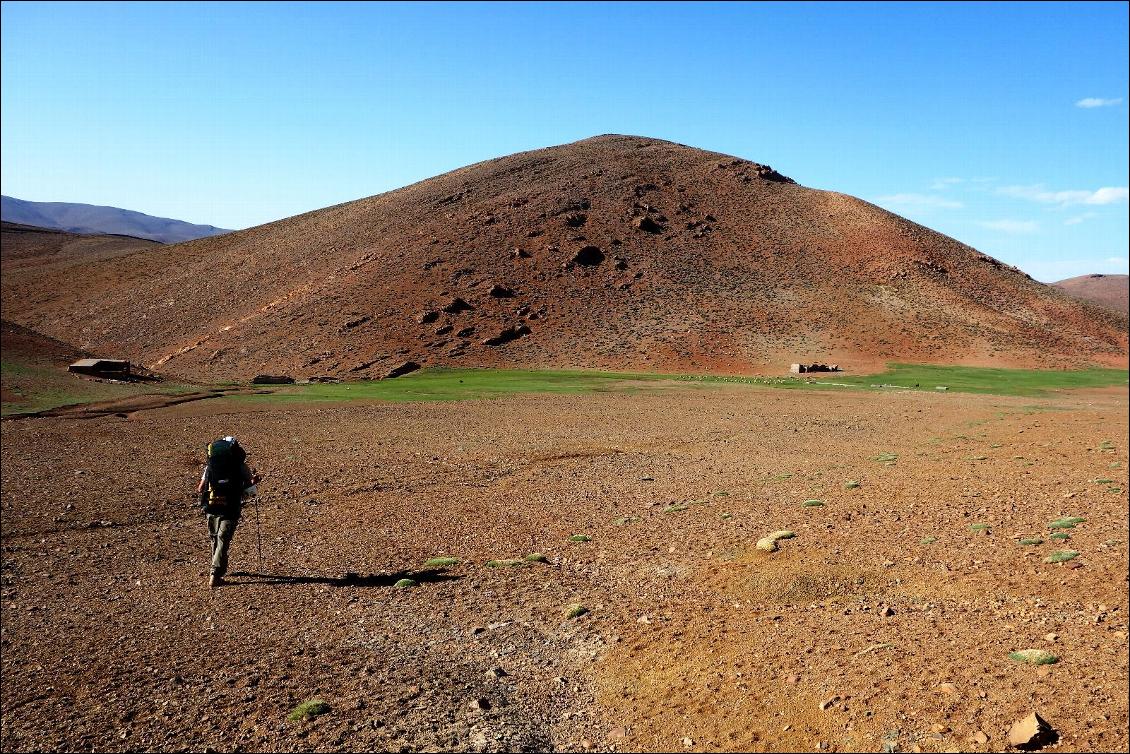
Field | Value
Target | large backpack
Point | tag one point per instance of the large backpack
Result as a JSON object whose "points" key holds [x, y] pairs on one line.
{"points": [[225, 473]]}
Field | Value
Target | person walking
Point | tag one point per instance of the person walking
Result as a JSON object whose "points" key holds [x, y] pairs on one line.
{"points": [[226, 480]]}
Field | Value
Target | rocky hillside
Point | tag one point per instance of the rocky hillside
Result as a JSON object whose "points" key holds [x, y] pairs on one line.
{"points": [[1108, 291], [617, 252]]}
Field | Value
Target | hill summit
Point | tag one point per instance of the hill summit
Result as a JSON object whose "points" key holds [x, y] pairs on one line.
{"points": [[616, 252]]}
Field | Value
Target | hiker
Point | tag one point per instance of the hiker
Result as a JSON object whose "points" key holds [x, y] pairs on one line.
{"points": [[225, 482]]}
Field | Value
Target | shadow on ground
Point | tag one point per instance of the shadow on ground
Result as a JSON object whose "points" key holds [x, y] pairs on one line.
{"points": [[348, 579]]}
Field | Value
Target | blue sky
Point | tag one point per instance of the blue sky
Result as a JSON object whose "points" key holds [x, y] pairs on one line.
{"points": [[1002, 125]]}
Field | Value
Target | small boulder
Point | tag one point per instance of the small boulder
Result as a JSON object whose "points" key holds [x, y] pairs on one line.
{"points": [[1031, 733], [507, 335], [647, 225], [401, 369], [428, 317], [588, 256], [457, 305], [500, 291], [768, 543]]}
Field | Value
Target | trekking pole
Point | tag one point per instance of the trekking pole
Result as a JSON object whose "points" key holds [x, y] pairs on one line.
{"points": [[258, 534]]}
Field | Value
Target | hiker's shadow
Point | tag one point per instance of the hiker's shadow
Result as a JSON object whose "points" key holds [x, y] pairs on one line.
{"points": [[430, 576]]}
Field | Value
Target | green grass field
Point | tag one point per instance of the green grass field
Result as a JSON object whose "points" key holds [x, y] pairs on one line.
{"points": [[441, 384], [992, 381], [33, 387]]}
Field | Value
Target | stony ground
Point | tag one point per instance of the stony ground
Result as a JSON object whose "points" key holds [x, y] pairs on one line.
{"points": [[858, 633]]}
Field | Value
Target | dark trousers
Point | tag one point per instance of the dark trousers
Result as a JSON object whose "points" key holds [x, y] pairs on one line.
{"points": [[221, 530]]}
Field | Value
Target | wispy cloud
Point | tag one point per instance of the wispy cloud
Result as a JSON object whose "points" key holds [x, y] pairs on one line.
{"points": [[1037, 193], [920, 201], [1089, 102], [1080, 218], [941, 184], [1012, 227]]}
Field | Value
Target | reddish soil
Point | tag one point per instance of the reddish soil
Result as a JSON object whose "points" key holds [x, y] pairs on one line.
{"points": [[694, 640], [618, 252], [1108, 291]]}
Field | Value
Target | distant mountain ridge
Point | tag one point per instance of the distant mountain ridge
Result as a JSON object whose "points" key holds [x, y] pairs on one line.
{"points": [[94, 219]]}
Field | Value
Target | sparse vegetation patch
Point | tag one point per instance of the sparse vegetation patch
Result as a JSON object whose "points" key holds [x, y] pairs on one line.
{"points": [[505, 563], [575, 611], [1034, 657], [309, 708]]}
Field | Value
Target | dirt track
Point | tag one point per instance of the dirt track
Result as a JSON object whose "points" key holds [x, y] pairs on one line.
{"points": [[111, 640]]}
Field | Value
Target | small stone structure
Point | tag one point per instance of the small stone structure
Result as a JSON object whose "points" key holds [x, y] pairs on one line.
{"points": [[805, 368], [272, 379], [113, 368]]}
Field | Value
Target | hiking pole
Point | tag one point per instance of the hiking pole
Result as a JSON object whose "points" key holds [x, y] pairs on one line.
{"points": [[258, 534]]}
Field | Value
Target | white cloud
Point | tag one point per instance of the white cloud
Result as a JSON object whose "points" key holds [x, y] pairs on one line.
{"points": [[1117, 260], [920, 200], [1089, 102], [1080, 218], [1012, 227], [1037, 193], [941, 184]]}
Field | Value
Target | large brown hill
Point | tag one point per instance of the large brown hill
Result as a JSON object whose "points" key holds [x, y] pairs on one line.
{"points": [[615, 252], [1109, 291]]}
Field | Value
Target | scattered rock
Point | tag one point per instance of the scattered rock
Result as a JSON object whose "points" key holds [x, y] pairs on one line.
{"points": [[500, 291], [480, 704], [1031, 733], [886, 612], [505, 336], [588, 256], [457, 305], [647, 225], [827, 703], [768, 543], [428, 317], [980, 737], [401, 369]]}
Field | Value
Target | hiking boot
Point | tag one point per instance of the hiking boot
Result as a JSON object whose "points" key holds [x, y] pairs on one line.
{"points": [[215, 581]]}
